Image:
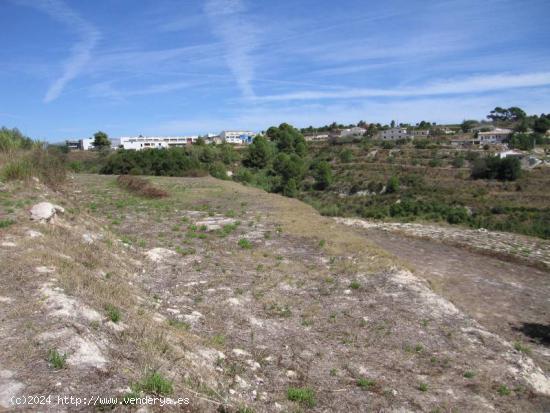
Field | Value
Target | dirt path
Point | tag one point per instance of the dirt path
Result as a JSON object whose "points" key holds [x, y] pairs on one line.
{"points": [[509, 299]]}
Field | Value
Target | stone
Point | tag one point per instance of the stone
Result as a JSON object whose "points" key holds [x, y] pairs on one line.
{"points": [[45, 211]]}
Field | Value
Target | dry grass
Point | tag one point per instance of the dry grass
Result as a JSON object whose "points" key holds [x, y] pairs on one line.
{"points": [[140, 187]]}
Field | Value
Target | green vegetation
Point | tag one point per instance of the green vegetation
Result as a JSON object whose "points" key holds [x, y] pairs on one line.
{"points": [[57, 360], [154, 383], [302, 395], [113, 313], [492, 167], [423, 387], [245, 244], [365, 383], [522, 348], [503, 390]]}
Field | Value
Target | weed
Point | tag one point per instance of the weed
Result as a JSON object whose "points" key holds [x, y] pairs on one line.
{"points": [[218, 340], [302, 395], [469, 374], [56, 360], [522, 348], [423, 387], [365, 383], [503, 390], [4, 223], [354, 285], [113, 313], [245, 244], [181, 325], [322, 243], [155, 383]]}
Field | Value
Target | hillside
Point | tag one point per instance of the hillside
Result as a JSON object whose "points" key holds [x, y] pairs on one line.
{"points": [[432, 185], [239, 300]]}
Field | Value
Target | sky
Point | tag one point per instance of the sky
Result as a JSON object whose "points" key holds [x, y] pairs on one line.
{"points": [[71, 67]]}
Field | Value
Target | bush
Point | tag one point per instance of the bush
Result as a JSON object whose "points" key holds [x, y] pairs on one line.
{"points": [[392, 185], [140, 186], [17, 170], [492, 167], [302, 395], [217, 170]]}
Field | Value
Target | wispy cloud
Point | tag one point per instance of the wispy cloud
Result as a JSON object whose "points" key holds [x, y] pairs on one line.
{"points": [[239, 37], [472, 84], [80, 52]]}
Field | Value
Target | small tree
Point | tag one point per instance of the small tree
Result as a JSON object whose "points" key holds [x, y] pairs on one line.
{"points": [[323, 175], [101, 140], [392, 185]]}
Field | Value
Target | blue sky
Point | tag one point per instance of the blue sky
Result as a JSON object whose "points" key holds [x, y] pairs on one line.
{"points": [[70, 68]]}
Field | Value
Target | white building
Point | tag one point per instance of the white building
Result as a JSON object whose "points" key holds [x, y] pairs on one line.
{"points": [[155, 142], [355, 131], [496, 135], [392, 134], [237, 137]]}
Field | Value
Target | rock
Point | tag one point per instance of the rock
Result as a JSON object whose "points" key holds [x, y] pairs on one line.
{"points": [[45, 211], [159, 254], [33, 234]]}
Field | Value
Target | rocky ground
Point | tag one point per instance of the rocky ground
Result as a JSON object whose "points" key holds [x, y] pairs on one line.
{"points": [[526, 249], [240, 300]]}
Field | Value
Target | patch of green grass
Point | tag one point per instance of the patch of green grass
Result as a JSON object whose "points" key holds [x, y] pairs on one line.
{"points": [[302, 395], [4, 223], [365, 383], [218, 340], [56, 359], [155, 383], [322, 243], [230, 214], [522, 348], [423, 387], [113, 313], [354, 285], [503, 390], [245, 244], [181, 325], [469, 374]]}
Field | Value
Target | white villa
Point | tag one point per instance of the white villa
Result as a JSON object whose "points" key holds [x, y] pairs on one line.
{"points": [[237, 137], [150, 142], [496, 135], [392, 134]]}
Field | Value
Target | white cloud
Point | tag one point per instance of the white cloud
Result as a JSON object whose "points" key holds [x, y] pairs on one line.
{"points": [[239, 38], [80, 51], [471, 84]]}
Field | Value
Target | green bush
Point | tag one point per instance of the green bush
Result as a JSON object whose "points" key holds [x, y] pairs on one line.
{"points": [[392, 185], [217, 170], [302, 395]]}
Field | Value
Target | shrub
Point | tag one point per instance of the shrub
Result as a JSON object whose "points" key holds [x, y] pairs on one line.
{"points": [[303, 395], [365, 383], [492, 167], [57, 360], [392, 185], [155, 383], [17, 170], [113, 313], [217, 170], [245, 244], [140, 186]]}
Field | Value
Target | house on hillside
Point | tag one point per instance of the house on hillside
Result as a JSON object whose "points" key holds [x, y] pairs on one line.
{"points": [[238, 137], [155, 142], [85, 144], [420, 133], [317, 137], [355, 131], [393, 134], [496, 135]]}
